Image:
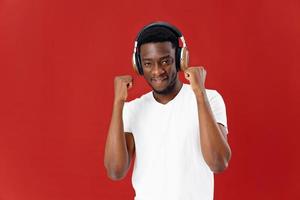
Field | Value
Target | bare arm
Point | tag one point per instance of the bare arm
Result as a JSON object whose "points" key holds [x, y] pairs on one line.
{"points": [[213, 140], [119, 147], [214, 145]]}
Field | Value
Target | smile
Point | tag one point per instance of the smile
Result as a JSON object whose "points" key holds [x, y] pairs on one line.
{"points": [[159, 79]]}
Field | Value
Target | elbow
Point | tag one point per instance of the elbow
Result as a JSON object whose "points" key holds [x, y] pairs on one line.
{"points": [[115, 173], [115, 176], [220, 167], [220, 164]]}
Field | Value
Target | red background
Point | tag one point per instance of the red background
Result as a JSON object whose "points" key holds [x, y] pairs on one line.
{"points": [[58, 60]]}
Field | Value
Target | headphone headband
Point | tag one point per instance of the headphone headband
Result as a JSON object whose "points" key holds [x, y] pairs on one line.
{"points": [[168, 26]]}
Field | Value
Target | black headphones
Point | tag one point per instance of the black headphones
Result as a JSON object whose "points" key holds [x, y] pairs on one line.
{"points": [[182, 55]]}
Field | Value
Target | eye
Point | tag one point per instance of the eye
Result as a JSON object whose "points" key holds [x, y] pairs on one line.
{"points": [[147, 64], [167, 61]]}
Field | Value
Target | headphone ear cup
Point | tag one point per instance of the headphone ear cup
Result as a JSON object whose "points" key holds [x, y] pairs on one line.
{"points": [[138, 64], [178, 59], [134, 63], [184, 58]]}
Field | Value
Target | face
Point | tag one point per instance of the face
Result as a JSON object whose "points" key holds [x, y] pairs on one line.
{"points": [[158, 62]]}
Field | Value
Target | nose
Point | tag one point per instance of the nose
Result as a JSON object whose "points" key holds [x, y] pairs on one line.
{"points": [[157, 70]]}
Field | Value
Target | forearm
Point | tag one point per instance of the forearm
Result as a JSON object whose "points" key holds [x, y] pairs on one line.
{"points": [[214, 146], [116, 159]]}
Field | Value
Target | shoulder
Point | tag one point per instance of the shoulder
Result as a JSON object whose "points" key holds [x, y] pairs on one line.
{"points": [[213, 96], [211, 93], [137, 102]]}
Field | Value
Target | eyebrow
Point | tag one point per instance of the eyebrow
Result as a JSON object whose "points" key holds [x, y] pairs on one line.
{"points": [[161, 58], [164, 57]]}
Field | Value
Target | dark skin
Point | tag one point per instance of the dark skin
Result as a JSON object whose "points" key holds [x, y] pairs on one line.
{"points": [[158, 61]]}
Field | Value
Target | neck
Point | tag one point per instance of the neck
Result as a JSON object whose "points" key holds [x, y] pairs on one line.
{"points": [[165, 98]]}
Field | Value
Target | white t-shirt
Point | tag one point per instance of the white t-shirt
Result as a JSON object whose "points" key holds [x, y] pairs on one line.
{"points": [[169, 164]]}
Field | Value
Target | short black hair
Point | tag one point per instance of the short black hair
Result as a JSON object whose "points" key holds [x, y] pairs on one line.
{"points": [[158, 34]]}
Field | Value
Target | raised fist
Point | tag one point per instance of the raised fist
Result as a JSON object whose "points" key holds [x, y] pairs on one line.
{"points": [[196, 76], [122, 84]]}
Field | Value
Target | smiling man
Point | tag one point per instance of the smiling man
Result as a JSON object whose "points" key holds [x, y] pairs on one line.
{"points": [[158, 61], [177, 132]]}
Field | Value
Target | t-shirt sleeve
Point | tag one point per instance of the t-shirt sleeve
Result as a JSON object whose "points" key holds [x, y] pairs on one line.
{"points": [[126, 115], [218, 108]]}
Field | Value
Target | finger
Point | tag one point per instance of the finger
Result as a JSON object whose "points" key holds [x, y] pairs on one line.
{"points": [[204, 73], [130, 78], [129, 85], [186, 74], [127, 79]]}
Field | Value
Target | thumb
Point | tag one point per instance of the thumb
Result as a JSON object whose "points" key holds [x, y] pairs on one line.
{"points": [[187, 75], [129, 85]]}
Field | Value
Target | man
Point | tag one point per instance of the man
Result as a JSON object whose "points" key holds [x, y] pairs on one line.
{"points": [[178, 132]]}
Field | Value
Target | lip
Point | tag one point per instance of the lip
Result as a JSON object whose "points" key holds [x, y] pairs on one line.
{"points": [[159, 79]]}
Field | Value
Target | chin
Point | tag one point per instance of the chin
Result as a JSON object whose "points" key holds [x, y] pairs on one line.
{"points": [[163, 90]]}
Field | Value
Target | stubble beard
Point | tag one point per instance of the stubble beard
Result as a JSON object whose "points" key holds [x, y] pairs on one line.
{"points": [[169, 88]]}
